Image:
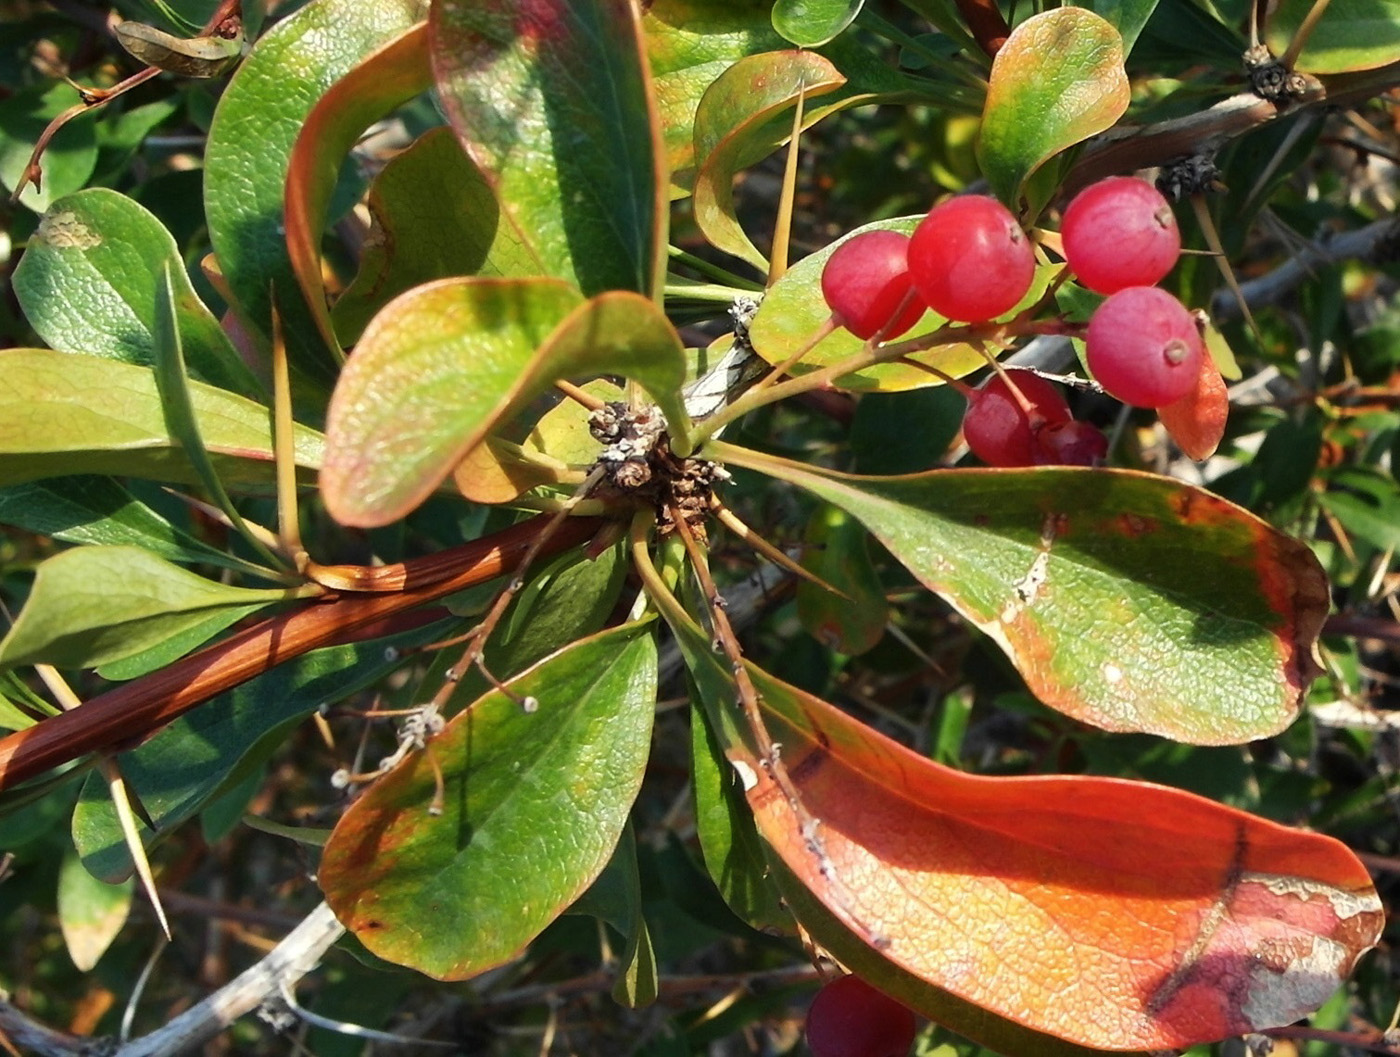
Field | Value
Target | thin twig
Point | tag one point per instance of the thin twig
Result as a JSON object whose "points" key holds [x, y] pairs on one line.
{"points": [[1271, 287], [289, 961]]}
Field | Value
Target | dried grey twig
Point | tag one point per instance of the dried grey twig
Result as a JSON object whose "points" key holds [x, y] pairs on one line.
{"points": [[299, 952], [1363, 243]]}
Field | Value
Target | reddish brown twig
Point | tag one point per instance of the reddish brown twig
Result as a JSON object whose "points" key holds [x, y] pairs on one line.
{"points": [[92, 98], [986, 22], [128, 714]]}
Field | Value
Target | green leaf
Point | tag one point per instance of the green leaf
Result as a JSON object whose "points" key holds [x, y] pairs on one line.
{"points": [[90, 282], [90, 912], [1126, 600], [99, 510], [68, 160], [742, 118], [1371, 509], [616, 898], [1350, 35], [563, 600], [690, 43], [534, 805], [1057, 80], [63, 413], [186, 764], [809, 23], [447, 363], [433, 215], [553, 101], [729, 841], [387, 79], [250, 143], [121, 133], [836, 548], [175, 646], [173, 384], [1126, 16], [93, 605], [794, 308]]}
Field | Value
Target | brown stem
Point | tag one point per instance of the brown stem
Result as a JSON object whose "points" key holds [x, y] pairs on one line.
{"points": [[1129, 148], [1361, 627], [986, 22], [129, 713]]}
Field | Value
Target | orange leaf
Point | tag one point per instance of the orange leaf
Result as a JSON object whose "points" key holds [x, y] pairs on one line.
{"points": [[1114, 914], [1197, 421]]}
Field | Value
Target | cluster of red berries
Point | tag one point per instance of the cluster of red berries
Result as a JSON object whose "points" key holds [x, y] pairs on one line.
{"points": [[1143, 345], [969, 261], [849, 1018]]}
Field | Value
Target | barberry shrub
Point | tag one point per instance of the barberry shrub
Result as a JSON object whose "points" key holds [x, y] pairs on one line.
{"points": [[402, 528]]}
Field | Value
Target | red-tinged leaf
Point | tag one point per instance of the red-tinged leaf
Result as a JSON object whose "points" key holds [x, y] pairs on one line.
{"points": [[533, 806], [689, 44], [433, 372], [249, 149], [743, 117], [1197, 421], [1124, 599], [1057, 80], [448, 363], [553, 99], [382, 82], [1111, 914]]}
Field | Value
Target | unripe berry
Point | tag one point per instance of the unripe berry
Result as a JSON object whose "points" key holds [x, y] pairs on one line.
{"points": [[866, 280], [997, 428], [849, 1018], [1120, 232], [1143, 347], [970, 260]]}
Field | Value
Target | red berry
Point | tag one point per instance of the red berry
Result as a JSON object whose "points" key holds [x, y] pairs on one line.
{"points": [[997, 428], [849, 1018], [970, 260], [1120, 232], [1070, 444], [866, 280], [1143, 347]]}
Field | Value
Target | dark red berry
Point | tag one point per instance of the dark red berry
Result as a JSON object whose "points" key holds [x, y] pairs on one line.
{"points": [[866, 280], [1072, 443], [998, 429], [1143, 347], [1120, 232], [970, 260], [849, 1018]]}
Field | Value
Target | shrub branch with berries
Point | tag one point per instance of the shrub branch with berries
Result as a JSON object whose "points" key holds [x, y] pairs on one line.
{"points": [[490, 534]]}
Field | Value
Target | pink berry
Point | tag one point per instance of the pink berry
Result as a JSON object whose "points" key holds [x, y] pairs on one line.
{"points": [[997, 428], [1070, 444], [1120, 232], [970, 260], [865, 282], [849, 1018], [1143, 347]]}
